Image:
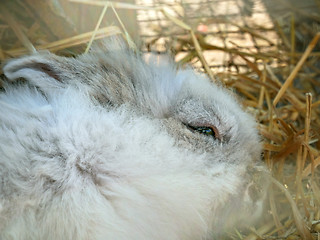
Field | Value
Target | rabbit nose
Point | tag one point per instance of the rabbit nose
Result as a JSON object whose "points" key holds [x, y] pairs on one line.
{"points": [[259, 182], [255, 192]]}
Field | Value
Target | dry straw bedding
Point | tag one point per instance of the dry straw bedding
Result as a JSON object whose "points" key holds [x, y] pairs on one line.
{"points": [[283, 97]]}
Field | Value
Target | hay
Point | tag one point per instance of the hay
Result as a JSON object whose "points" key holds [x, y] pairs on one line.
{"points": [[277, 83]]}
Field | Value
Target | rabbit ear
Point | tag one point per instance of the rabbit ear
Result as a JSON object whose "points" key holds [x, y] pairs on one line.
{"points": [[43, 71]]}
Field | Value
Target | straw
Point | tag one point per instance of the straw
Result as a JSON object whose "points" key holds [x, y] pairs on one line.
{"points": [[297, 68]]}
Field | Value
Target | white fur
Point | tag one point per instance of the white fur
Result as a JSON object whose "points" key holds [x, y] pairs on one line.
{"points": [[72, 167]]}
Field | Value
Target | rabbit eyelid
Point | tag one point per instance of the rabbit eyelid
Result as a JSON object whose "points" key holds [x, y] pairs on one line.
{"points": [[206, 129]]}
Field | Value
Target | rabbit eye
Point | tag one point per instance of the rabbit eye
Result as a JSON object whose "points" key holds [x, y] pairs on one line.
{"points": [[206, 130]]}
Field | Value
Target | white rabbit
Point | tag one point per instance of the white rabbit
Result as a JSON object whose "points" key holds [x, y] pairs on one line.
{"points": [[110, 145]]}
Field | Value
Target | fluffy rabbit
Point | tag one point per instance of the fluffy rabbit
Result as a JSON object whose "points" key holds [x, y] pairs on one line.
{"points": [[112, 145]]}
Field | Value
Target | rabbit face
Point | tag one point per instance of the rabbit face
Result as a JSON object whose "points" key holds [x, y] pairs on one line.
{"points": [[111, 145]]}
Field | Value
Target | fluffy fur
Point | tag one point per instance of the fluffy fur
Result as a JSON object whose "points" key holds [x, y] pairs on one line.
{"points": [[98, 147]]}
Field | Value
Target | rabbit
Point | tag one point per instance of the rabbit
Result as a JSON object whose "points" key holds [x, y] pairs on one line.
{"points": [[116, 145]]}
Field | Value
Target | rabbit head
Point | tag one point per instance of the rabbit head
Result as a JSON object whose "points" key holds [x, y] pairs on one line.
{"points": [[115, 145]]}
